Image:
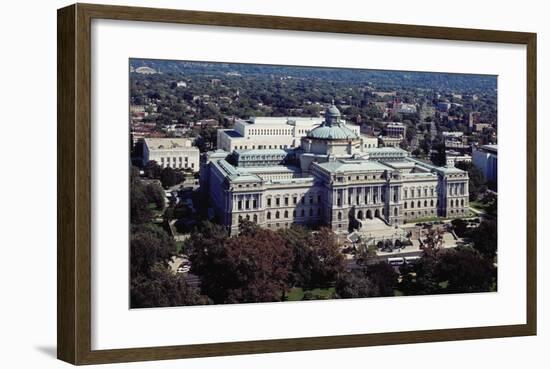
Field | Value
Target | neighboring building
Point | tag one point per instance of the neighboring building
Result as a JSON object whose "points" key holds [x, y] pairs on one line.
{"points": [[387, 141], [485, 158], [479, 127], [177, 153], [330, 179], [396, 129], [369, 142], [268, 133], [454, 157], [406, 108]]}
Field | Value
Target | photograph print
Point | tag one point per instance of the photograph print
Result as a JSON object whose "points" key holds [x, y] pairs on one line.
{"points": [[267, 183]]}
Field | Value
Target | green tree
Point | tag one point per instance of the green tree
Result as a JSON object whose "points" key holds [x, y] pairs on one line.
{"points": [[246, 268], [155, 194], [459, 226], [328, 261], [355, 284], [170, 177], [161, 288], [139, 204], [383, 277], [465, 270], [485, 238], [476, 182], [149, 245]]}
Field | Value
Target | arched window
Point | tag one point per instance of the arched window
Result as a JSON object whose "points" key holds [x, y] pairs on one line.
{"points": [[452, 203], [247, 217], [412, 204], [431, 203], [286, 213], [277, 215], [405, 205], [268, 215], [462, 202], [339, 215], [425, 203], [395, 211], [419, 204]]}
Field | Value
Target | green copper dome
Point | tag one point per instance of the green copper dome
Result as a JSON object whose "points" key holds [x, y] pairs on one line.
{"points": [[334, 132], [332, 128]]}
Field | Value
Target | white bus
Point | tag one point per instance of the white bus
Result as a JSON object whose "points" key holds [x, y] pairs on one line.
{"points": [[395, 261]]}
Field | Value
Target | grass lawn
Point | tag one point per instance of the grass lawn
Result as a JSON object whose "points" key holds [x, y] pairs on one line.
{"points": [[479, 205], [179, 246], [297, 293]]}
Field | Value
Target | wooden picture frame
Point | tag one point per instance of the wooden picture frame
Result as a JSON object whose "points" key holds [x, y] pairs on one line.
{"points": [[74, 183]]}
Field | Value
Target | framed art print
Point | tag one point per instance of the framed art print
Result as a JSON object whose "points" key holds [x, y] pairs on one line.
{"points": [[279, 184]]}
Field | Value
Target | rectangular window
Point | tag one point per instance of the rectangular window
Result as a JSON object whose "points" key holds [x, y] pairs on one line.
{"points": [[268, 202], [277, 201], [240, 205], [286, 201], [294, 200], [247, 204], [254, 204]]}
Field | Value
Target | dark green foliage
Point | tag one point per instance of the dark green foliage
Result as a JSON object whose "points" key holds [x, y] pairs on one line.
{"points": [[152, 170], [317, 258], [170, 177], [383, 277], [459, 226], [465, 270], [476, 184], [149, 245], [163, 289], [155, 194], [139, 205], [485, 238], [355, 284]]}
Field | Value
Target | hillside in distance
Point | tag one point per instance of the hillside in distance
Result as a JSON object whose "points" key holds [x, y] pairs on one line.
{"points": [[386, 79]]}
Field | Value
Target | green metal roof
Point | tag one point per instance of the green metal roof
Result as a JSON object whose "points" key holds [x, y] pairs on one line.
{"points": [[332, 132]]}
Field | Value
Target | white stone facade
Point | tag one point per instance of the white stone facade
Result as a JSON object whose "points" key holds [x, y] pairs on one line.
{"points": [[176, 153], [331, 179]]}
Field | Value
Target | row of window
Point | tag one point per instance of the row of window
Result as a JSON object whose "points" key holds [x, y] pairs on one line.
{"points": [[277, 214], [418, 192], [247, 204], [287, 200], [270, 132], [174, 159], [365, 177], [419, 204], [261, 147]]}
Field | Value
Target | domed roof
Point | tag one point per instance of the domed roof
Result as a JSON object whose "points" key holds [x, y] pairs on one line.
{"points": [[332, 128], [332, 132], [333, 111]]}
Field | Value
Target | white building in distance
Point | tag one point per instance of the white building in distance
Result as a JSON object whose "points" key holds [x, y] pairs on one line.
{"points": [[396, 129], [267, 133], [176, 153]]}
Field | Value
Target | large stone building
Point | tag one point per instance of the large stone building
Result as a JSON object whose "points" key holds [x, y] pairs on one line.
{"points": [[331, 178], [177, 153]]}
